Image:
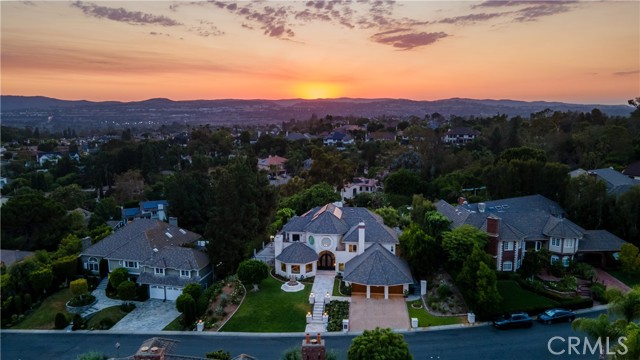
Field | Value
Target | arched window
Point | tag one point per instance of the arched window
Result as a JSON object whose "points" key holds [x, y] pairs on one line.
{"points": [[92, 264], [566, 260]]}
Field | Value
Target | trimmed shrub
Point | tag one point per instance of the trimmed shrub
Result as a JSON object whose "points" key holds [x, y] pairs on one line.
{"points": [[61, 321], [127, 290], [598, 291], [127, 307], [193, 289], [118, 276], [79, 287], [78, 322]]}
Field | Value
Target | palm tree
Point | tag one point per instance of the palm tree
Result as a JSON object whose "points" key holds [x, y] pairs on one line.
{"points": [[600, 329], [631, 348], [626, 305]]}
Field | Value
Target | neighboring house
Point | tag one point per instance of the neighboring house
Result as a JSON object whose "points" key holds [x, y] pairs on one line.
{"points": [[3, 182], [10, 257], [633, 170], [357, 186], [154, 252], [460, 136], [337, 138], [530, 223], [43, 158], [296, 136], [154, 209], [274, 165], [617, 182], [350, 241], [381, 136]]}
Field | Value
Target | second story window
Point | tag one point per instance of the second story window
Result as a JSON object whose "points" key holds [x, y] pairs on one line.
{"points": [[507, 245], [295, 237], [159, 271], [353, 248], [131, 264], [568, 243], [185, 273], [555, 242]]}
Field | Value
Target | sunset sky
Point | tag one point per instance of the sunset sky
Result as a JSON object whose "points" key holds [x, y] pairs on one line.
{"points": [[572, 51]]}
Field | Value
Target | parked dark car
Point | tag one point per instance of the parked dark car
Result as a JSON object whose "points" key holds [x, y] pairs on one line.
{"points": [[513, 320], [556, 315]]}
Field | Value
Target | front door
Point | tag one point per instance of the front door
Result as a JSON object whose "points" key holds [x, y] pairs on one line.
{"points": [[326, 261]]}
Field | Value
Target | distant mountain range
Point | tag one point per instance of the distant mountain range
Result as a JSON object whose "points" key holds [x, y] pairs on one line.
{"points": [[31, 110]]}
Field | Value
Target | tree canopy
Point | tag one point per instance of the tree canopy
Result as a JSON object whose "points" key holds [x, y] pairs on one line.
{"points": [[379, 344]]}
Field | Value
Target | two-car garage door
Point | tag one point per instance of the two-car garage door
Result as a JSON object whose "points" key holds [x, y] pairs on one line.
{"points": [[159, 291]]}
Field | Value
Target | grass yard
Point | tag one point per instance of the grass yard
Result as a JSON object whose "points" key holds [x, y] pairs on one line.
{"points": [[515, 298], [426, 319], [629, 280], [175, 325], [110, 315], [271, 310], [336, 287], [44, 316]]}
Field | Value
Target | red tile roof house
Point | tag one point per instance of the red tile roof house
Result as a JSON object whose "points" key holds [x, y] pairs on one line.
{"points": [[529, 223], [350, 241], [162, 256], [273, 164]]}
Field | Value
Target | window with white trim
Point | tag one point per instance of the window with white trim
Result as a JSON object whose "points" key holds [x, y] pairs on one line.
{"points": [[353, 248], [92, 264], [554, 259], [555, 242], [185, 273], [538, 245], [565, 261], [507, 246], [507, 266], [159, 271], [131, 264], [568, 243]]}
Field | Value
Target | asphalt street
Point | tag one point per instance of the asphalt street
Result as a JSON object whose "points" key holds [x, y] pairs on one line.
{"points": [[480, 342]]}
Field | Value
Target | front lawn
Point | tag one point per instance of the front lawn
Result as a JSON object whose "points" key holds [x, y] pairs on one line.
{"points": [[426, 319], [106, 318], [515, 298], [336, 287], [629, 280], [271, 310], [44, 316]]}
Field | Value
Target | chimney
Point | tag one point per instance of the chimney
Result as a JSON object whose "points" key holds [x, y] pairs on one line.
{"points": [[277, 244], [313, 349], [308, 339], [461, 200], [360, 238], [493, 225], [482, 207]]}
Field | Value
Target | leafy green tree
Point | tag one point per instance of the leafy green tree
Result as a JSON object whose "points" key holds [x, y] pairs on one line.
{"points": [[587, 202], [253, 271], [187, 306], [92, 355], [105, 210], [404, 182], [282, 216], [41, 279], [436, 224], [193, 289], [379, 344], [627, 215], [118, 276], [487, 296], [419, 207], [534, 262], [317, 195], [630, 258], [389, 215], [70, 197], [422, 251], [459, 243], [329, 166], [182, 300]]}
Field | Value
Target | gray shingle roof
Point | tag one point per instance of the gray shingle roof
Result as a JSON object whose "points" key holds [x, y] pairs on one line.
{"points": [[560, 228], [527, 214], [322, 220], [138, 238], [297, 253], [617, 183], [179, 258], [377, 266], [600, 240]]}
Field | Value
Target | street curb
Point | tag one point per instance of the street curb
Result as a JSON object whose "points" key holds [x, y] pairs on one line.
{"points": [[291, 334]]}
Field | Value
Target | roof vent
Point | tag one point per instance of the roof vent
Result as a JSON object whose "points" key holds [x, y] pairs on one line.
{"points": [[154, 349], [183, 232], [482, 207], [144, 348], [168, 235], [155, 250]]}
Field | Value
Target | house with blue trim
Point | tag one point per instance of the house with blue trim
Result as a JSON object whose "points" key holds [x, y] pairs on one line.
{"points": [[154, 209]]}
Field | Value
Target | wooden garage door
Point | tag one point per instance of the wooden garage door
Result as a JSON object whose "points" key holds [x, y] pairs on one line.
{"points": [[358, 289], [377, 289], [396, 290]]}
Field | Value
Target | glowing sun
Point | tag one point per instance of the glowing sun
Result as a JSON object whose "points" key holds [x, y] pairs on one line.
{"points": [[316, 90]]}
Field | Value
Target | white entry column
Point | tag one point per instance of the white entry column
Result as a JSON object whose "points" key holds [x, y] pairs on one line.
{"points": [[368, 292], [386, 292]]}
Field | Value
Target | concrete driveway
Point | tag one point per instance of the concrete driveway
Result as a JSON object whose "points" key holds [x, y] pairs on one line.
{"points": [[151, 315], [367, 314]]}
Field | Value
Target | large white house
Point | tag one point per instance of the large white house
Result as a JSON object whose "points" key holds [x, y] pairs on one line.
{"points": [[351, 241]]}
